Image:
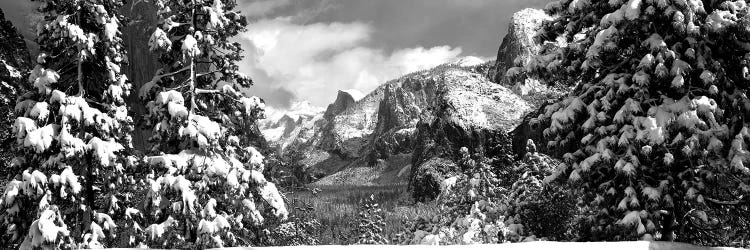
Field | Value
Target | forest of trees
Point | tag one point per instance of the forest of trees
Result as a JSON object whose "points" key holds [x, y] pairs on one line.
{"points": [[77, 181], [651, 144]]}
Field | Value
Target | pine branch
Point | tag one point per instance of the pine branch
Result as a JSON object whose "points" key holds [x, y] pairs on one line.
{"points": [[206, 91], [726, 203], [174, 73], [208, 73]]}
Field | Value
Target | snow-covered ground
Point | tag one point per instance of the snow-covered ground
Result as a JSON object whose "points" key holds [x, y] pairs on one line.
{"points": [[542, 245]]}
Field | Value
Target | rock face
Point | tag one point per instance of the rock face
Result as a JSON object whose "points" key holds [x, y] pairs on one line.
{"points": [[399, 113], [519, 42]]}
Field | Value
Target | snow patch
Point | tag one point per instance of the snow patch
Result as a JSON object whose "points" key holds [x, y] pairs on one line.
{"points": [[13, 71], [41, 139], [159, 40], [190, 46], [632, 9], [469, 61]]}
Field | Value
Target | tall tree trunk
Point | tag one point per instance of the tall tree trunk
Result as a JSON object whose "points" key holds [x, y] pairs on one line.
{"points": [[142, 63]]}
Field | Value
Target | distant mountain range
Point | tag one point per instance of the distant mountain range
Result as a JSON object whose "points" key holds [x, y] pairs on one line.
{"points": [[420, 119]]}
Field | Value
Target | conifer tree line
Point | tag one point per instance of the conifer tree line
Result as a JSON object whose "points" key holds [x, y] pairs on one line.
{"points": [[77, 182]]}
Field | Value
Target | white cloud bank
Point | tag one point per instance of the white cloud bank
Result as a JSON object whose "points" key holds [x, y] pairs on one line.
{"points": [[313, 61]]}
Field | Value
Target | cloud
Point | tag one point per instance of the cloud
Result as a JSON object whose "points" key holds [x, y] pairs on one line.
{"points": [[262, 7], [316, 60], [275, 96]]}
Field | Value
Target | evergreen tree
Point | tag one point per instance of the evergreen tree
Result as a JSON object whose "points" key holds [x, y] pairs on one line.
{"points": [[207, 186], [655, 132], [370, 228], [72, 181]]}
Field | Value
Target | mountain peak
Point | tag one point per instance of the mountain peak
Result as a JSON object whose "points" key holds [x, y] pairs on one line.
{"points": [[355, 94], [344, 100]]}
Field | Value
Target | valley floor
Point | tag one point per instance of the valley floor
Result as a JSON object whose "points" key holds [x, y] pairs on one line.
{"points": [[337, 207]]}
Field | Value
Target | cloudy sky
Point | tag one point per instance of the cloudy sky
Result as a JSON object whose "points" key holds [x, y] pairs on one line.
{"points": [[308, 49]]}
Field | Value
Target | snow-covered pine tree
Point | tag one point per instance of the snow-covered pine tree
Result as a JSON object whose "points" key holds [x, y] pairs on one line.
{"points": [[656, 130], [72, 186], [207, 186], [471, 209], [371, 222]]}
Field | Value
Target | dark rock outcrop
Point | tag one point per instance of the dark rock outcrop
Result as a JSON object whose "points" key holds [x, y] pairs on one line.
{"points": [[529, 129]]}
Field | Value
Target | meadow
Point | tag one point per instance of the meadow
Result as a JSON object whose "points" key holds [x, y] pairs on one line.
{"points": [[336, 207]]}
